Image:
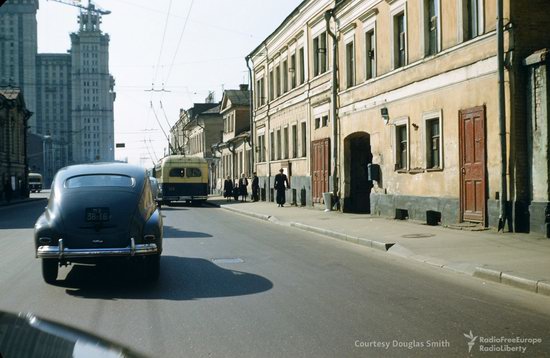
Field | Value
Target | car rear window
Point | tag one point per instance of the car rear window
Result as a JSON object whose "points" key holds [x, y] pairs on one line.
{"points": [[100, 180]]}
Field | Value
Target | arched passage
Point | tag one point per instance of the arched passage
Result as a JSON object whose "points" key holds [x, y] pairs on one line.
{"points": [[357, 154]]}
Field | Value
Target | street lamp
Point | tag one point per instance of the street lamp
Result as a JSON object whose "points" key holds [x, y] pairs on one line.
{"points": [[44, 139]]}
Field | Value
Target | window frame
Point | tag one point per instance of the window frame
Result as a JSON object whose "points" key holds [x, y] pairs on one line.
{"points": [[370, 46], [351, 71], [398, 9], [428, 117], [397, 157], [426, 23]]}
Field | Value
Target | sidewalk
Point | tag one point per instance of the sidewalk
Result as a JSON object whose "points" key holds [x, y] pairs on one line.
{"points": [[4, 203], [519, 260]]}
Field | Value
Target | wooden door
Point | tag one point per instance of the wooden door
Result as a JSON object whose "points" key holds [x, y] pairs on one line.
{"points": [[320, 168], [473, 192]]}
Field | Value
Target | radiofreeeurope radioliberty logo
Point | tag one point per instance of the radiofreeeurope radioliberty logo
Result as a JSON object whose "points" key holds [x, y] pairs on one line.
{"points": [[500, 344], [472, 341]]}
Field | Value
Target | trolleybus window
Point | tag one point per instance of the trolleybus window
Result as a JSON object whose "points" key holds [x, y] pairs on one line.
{"points": [[193, 172], [177, 172]]}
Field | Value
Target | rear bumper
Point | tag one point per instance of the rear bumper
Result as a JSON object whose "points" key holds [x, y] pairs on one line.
{"points": [[61, 252]]}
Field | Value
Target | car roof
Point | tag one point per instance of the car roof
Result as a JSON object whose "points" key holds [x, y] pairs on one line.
{"points": [[133, 171]]}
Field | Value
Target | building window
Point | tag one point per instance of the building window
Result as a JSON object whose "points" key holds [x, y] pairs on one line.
{"points": [[292, 71], [277, 81], [350, 64], [317, 122], [433, 140], [302, 61], [324, 121], [370, 54], [271, 86], [261, 148], [304, 139], [294, 141], [320, 54], [399, 40], [285, 143], [431, 26], [472, 13], [279, 146], [284, 75], [401, 146]]}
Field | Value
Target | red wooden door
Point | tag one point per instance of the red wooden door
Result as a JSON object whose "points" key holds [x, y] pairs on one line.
{"points": [[473, 192], [320, 168]]}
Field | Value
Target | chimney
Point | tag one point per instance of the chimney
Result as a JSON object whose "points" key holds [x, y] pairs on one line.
{"points": [[243, 87]]}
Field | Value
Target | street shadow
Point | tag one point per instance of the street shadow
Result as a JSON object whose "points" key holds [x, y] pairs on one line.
{"points": [[170, 232], [172, 208], [19, 216], [181, 279]]}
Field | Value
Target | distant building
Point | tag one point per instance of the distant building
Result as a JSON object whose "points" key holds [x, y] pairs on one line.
{"points": [[234, 149], [92, 92], [53, 111], [18, 46], [72, 94], [14, 117]]}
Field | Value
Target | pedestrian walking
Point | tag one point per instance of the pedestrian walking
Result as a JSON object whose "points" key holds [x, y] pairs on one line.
{"points": [[8, 191], [243, 187], [281, 184], [228, 188], [255, 187]]}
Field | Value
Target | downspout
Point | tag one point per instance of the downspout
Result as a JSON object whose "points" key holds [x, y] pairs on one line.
{"points": [[268, 124], [503, 197], [251, 100], [328, 14]]}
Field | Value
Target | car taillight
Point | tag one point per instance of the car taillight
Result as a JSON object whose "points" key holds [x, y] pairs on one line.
{"points": [[45, 240]]}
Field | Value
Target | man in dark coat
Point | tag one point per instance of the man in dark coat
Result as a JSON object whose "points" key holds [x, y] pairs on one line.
{"points": [[255, 187], [281, 184]]}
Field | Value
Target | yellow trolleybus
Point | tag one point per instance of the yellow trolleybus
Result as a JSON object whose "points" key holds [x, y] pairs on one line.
{"points": [[182, 178]]}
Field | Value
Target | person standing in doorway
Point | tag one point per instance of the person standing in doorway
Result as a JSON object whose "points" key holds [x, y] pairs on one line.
{"points": [[281, 184], [255, 187]]}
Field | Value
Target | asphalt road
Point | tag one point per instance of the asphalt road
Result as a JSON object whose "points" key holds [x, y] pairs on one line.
{"points": [[232, 286]]}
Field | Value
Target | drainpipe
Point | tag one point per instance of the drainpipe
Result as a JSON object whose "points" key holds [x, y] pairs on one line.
{"points": [[268, 125], [503, 215], [251, 100], [328, 14]]}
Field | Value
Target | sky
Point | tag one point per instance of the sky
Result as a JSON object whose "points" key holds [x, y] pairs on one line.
{"points": [[186, 47]]}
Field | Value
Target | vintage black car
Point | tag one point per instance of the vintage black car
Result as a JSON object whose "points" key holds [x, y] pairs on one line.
{"points": [[96, 212]]}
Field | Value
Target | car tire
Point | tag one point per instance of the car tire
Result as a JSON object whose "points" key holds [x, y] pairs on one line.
{"points": [[50, 268], [152, 267]]}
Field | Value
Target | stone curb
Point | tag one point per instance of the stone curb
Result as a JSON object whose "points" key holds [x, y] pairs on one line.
{"points": [[337, 235], [536, 286], [506, 278]]}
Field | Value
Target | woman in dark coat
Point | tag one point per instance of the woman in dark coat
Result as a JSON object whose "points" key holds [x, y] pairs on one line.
{"points": [[243, 187], [228, 188]]}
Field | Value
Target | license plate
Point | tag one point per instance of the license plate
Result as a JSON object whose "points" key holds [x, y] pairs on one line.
{"points": [[97, 214]]}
